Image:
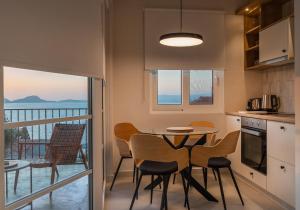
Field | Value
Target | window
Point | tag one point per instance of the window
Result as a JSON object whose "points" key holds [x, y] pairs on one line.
{"points": [[201, 87], [169, 87], [187, 90]]}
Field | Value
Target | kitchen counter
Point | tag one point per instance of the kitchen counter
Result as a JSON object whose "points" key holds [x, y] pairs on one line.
{"points": [[285, 118]]}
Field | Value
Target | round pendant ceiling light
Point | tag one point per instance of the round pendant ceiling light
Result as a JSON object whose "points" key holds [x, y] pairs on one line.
{"points": [[181, 39]]}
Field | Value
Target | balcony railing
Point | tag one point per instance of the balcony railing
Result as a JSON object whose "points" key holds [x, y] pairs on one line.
{"points": [[40, 133]]}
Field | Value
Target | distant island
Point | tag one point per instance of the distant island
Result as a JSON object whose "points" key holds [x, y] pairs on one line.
{"points": [[37, 99]]}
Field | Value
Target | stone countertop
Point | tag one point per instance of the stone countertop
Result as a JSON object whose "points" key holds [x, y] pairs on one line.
{"points": [[285, 118]]}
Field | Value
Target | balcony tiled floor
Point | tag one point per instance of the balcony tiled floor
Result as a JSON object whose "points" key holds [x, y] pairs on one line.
{"points": [[73, 194]]}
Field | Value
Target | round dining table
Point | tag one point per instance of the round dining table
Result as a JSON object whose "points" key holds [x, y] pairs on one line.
{"points": [[200, 132]]}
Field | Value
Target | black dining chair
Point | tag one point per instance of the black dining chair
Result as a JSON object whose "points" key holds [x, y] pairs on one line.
{"points": [[215, 157], [158, 159]]}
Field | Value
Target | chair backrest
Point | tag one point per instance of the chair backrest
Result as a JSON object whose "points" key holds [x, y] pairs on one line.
{"points": [[65, 143], [226, 146], [125, 131], [202, 124], [211, 137], [149, 147]]}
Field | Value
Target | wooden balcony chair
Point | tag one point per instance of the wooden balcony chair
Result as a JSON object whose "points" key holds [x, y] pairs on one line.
{"points": [[62, 149], [123, 132], [210, 140], [214, 157], [159, 159]]}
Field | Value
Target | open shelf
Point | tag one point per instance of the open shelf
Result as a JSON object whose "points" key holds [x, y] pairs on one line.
{"points": [[266, 66], [253, 30], [252, 48], [258, 15]]}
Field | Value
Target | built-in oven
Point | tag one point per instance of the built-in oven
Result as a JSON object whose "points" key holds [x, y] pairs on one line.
{"points": [[254, 144]]}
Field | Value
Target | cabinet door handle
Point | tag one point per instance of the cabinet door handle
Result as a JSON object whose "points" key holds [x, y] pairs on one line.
{"points": [[251, 174], [283, 168], [284, 50], [282, 127], [238, 120]]}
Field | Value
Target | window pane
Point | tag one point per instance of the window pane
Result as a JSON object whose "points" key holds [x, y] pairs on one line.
{"points": [[169, 87], [201, 87]]}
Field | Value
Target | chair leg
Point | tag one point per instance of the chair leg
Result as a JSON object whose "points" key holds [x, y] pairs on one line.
{"points": [[116, 173], [174, 178], [236, 185], [56, 171], [190, 168], [214, 173], [134, 168], [186, 200], [151, 194], [52, 177], [159, 184], [204, 170], [16, 180], [83, 157], [136, 191], [221, 187], [164, 198], [137, 175]]}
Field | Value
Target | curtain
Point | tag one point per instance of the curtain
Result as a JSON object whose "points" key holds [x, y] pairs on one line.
{"points": [[52, 35]]}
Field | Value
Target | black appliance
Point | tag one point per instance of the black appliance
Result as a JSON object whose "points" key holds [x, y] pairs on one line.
{"points": [[254, 144]]}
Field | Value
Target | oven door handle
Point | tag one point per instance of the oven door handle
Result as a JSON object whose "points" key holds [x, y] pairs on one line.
{"points": [[252, 132]]}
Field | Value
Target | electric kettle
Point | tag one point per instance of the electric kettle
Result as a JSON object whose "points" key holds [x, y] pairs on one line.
{"points": [[270, 103]]}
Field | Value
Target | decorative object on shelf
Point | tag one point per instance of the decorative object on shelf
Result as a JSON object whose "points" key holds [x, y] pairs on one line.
{"points": [[180, 129], [181, 39]]}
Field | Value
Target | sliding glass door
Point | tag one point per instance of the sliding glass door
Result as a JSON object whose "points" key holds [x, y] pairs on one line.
{"points": [[47, 140]]}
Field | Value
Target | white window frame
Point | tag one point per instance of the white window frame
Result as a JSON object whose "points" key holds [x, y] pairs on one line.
{"points": [[186, 107]]}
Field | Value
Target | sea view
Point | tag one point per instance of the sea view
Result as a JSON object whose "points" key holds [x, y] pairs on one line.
{"points": [[176, 99], [19, 112]]}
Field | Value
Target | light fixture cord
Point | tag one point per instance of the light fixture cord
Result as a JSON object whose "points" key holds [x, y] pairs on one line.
{"points": [[180, 15]]}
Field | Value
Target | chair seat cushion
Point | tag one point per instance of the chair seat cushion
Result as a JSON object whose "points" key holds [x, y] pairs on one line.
{"points": [[158, 168], [218, 162]]}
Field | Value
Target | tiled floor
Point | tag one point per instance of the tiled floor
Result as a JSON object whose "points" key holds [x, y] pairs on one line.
{"points": [[41, 179], [120, 197], [71, 197]]}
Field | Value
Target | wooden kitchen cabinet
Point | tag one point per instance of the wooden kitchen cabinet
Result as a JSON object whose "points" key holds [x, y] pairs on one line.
{"points": [[281, 141], [281, 180], [276, 42], [234, 123]]}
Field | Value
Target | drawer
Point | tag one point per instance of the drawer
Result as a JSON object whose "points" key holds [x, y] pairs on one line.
{"points": [[281, 180], [281, 141], [253, 176]]}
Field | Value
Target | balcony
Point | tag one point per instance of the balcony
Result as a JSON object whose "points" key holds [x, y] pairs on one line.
{"points": [[33, 128]]}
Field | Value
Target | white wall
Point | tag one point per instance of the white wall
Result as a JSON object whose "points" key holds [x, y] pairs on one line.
{"points": [[297, 101], [130, 94]]}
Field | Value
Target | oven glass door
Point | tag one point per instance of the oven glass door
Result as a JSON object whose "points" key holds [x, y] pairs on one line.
{"points": [[254, 149]]}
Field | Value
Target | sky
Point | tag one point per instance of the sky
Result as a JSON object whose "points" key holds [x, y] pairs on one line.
{"points": [[169, 82], [19, 83]]}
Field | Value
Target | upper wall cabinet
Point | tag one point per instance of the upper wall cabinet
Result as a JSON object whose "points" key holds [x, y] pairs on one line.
{"points": [[268, 27], [276, 43]]}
